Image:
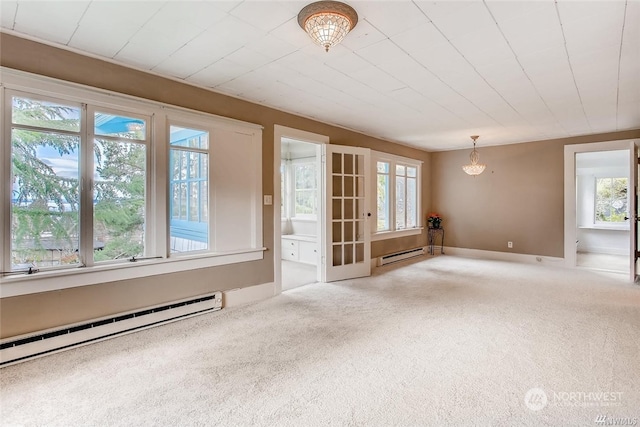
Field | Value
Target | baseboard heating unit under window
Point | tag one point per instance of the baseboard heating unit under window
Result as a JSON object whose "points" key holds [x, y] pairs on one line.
{"points": [[24, 347], [399, 256]]}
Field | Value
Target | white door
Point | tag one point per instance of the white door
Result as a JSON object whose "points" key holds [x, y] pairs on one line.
{"points": [[633, 210], [347, 241]]}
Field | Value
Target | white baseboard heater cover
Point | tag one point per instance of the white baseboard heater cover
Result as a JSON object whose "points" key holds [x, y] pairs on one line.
{"points": [[399, 256], [24, 347]]}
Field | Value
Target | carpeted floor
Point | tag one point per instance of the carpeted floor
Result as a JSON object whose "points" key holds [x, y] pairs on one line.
{"points": [[436, 341], [296, 274]]}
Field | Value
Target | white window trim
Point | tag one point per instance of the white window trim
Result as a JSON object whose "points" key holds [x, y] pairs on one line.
{"points": [[158, 244], [392, 159]]}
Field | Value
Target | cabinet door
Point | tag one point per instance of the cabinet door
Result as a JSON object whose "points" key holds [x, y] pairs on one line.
{"points": [[290, 249], [308, 252]]}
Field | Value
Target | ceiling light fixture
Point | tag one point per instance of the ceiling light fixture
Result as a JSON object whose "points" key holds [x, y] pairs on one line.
{"points": [[327, 22], [474, 168]]}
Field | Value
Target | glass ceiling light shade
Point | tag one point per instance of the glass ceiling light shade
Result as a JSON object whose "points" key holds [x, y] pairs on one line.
{"points": [[474, 168], [327, 22]]}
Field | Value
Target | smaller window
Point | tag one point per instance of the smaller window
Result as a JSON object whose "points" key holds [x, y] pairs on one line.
{"points": [[305, 189], [611, 200]]}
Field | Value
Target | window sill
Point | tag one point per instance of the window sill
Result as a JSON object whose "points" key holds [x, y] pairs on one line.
{"points": [[623, 227], [53, 280], [383, 235]]}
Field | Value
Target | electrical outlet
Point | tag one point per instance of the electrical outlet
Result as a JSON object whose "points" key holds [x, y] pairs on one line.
{"points": [[510, 245]]}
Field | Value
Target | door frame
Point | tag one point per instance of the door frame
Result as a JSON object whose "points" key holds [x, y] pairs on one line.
{"points": [[570, 209], [280, 132]]}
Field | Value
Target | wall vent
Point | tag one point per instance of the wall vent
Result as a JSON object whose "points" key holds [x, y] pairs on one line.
{"points": [[399, 256], [24, 347]]}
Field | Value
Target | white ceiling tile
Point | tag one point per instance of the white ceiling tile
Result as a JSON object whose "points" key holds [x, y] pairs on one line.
{"points": [[291, 33], [248, 58], [417, 39], [265, 15], [538, 30], [8, 13], [483, 46], [346, 63], [271, 46], [363, 35], [377, 79], [442, 60], [91, 38], [578, 10], [628, 115], [174, 17], [54, 21], [455, 20], [593, 33], [516, 10], [407, 15], [217, 73]]}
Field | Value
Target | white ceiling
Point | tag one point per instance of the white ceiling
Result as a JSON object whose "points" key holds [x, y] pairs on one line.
{"points": [[427, 74]]}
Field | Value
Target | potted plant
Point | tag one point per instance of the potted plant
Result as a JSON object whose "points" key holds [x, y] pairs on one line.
{"points": [[434, 220]]}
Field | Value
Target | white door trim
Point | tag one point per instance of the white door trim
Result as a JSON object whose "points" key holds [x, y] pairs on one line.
{"points": [[278, 133]]}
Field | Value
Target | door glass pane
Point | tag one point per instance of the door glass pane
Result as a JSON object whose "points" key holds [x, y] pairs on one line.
{"points": [[348, 254], [119, 199], [359, 252], [348, 186], [348, 164], [337, 255], [337, 185], [336, 208], [336, 162], [337, 232], [348, 231], [45, 198]]}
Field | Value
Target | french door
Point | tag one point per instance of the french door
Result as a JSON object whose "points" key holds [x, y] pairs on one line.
{"points": [[346, 237]]}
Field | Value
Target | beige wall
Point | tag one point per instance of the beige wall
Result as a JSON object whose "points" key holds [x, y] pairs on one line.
{"points": [[518, 198], [23, 314]]}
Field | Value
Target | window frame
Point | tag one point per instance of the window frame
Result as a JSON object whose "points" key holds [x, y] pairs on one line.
{"points": [[160, 260], [392, 160]]}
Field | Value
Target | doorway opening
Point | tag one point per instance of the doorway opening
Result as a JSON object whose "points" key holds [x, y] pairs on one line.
{"points": [[602, 210], [600, 206], [300, 211]]}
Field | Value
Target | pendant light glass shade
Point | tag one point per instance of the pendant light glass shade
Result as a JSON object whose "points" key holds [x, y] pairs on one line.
{"points": [[474, 168], [327, 22]]}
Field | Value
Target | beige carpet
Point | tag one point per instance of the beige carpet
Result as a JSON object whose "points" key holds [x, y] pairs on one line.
{"points": [[438, 341], [296, 274]]}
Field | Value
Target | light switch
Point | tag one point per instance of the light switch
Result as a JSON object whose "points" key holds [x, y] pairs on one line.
{"points": [[268, 199]]}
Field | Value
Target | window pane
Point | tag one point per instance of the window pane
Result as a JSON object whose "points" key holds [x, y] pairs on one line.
{"points": [[119, 199], [305, 189], [189, 182], [412, 197], [190, 138], [383, 202], [119, 126], [383, 167], [45, 199], [400, 203], [411, 171], [45, 114], [400, 170], [611, 199], [305, 202]]}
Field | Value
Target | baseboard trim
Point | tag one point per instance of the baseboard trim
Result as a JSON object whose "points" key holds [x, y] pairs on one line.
{"points": [[504, 256], [248, 295], [603, 250]]}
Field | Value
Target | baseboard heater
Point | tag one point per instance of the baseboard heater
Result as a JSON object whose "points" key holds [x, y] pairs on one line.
{"points": [[399, 256], [24, 347]]}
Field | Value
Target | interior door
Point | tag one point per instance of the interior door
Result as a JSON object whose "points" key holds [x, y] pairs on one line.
{"points": [[633, 210], [347, 241]]}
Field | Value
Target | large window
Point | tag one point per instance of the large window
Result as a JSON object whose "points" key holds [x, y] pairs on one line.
{"points": [[611, 200], [92, 179], [397, 194], [51, 154]]}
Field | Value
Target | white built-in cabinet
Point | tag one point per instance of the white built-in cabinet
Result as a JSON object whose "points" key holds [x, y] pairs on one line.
{"points": [[300, 249]]}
